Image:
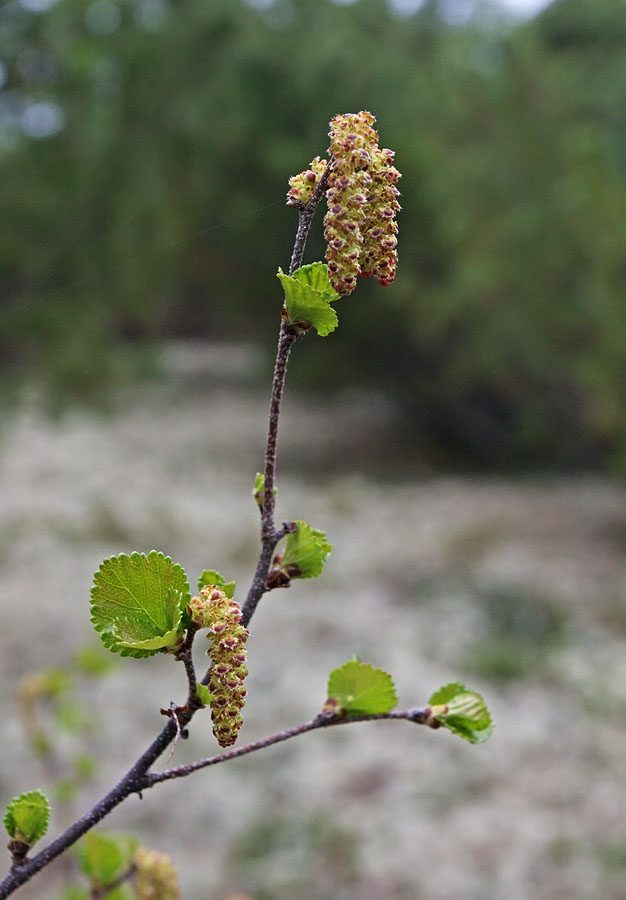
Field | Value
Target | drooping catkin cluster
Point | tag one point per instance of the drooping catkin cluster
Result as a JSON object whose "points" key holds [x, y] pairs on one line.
{"points": [[156, 877], [360, 227], [302, 185], [222, 616]]}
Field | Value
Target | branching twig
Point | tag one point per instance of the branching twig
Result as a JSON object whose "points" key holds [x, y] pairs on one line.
{"points": [[136, 779], [139, 779], [131, 783]]}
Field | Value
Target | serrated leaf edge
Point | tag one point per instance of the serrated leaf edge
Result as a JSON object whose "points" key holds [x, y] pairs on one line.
{"points": [[108, 635], [9, 818]]}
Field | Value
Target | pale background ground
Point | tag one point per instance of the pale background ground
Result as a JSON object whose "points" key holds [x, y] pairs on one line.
{"points": [[517, 588]]}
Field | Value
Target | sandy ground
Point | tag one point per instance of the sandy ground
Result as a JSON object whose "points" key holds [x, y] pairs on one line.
{"points": [[516, 588]]}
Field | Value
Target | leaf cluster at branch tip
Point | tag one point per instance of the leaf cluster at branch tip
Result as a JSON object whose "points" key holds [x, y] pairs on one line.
{"points": [[462, 711]]}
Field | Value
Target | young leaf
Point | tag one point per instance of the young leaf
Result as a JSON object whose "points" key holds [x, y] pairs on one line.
{"points": [[315, 276], [307, 550], [27, 816], [137, 603], [308, 295], [204, 694], [210, 576], [463, 711], [357, 688], [104, 857]]}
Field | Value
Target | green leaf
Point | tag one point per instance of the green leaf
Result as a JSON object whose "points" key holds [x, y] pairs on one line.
{"points": [[210, 576], [307, 549], [105, 856], [137, 603], [204, 694], [27, 817], [308, 295], [463, 711], [315, 276], [357, 688]]}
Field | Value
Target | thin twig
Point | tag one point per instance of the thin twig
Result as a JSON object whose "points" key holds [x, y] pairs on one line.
{"points": [[419, 716], [186, 657], [135, 779], [305, 219], [138, 779], [286, 339], [131, 783], [269, 536]]}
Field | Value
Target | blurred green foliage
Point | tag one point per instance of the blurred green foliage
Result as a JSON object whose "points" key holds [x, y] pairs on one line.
{"points": [[145, 147], [521, 631]]}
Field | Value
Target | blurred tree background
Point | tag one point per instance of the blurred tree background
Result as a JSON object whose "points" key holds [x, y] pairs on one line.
{"points": [[145, 147]]}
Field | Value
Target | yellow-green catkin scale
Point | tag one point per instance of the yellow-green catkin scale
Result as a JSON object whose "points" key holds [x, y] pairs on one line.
{"points": [[156, 877], [212, 609], [359, 226]]}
